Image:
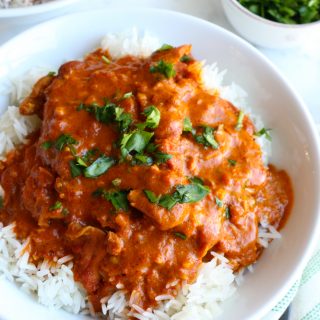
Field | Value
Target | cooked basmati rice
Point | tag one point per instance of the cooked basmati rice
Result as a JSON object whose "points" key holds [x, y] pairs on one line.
{"points": [[14, 128], [52, 284]]}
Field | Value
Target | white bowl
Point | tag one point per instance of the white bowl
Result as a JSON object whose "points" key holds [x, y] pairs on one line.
{"points": [[295, 140], [11, 17], [267, 33]]}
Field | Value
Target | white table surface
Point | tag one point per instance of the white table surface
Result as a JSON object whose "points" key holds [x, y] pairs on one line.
{"points": [[301, 65]]}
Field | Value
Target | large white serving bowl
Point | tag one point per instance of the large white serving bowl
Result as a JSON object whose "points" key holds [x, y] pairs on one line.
{"points": [[267, 33], [295, 142]]}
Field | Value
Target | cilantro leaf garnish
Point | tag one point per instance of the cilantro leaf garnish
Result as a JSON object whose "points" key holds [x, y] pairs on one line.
{"points": [[165, 47], [189, 193], [164, 68], [117, 198], [180, 235], [227, 213], [64, 140], [151, 196], [239, 124], [51, 73], [109, 113], [264, 132], [56, 206], [161, 157], [75, 169], [46, 145], [219, 202], [153, 117], [232, 162], [187, 126], [106, 60], [185, 58], [135, 141], [206, 137], [99, 167]]}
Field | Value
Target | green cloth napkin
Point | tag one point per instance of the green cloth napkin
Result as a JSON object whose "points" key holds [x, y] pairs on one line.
{"points": [[304, 296]]}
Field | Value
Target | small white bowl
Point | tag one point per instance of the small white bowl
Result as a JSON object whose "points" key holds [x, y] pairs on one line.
{"points": [[264, 32], [34, 14]]}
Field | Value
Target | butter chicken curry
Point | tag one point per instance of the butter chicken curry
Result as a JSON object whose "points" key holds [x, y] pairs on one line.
{"points": [[139, 172]]}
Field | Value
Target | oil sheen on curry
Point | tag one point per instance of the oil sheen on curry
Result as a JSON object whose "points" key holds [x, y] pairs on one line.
{"points": [[139, 172]]}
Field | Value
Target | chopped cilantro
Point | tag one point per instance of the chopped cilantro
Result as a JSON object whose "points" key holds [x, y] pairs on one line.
{"points": [[285, 11], [127, 95], [239, 121], [56, 206], [207, 138], [151, 196], [232, 162], [264, 132], [161, 157], [185, 58], [164, 68], [153, 117], [75, 169], [106, 60], [227, 213], [109, 113], [98, 167], [117, 198], [46, 145], [135, 141], [187, 126], [219, 202], [180, 235], [65, 211], [189, 193], [165, 47], [142, 159], [116, 182], [64, 140]]}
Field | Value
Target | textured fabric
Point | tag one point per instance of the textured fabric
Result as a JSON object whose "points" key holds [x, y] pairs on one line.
{"points": [[281, 307], [306, 304], [304, 296]]}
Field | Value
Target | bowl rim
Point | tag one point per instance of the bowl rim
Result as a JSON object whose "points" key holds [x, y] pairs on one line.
{"points": [[34, 9], [254, 16], [313, 238]]}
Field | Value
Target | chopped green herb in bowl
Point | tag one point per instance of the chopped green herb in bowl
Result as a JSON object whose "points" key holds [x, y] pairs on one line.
{"points": [[285, 11], [275, 23]]}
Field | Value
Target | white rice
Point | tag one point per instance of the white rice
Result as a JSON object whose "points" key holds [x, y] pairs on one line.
{"points": [[14, 128], [200, 300], [53, 284], [130, 42], [20, 86]]}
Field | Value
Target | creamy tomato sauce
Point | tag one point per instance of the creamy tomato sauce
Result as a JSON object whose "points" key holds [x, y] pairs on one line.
{"points": [[190, 180]]}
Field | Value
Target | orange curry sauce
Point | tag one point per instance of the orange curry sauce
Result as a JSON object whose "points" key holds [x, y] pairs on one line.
{"points": [[115, 232]]}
